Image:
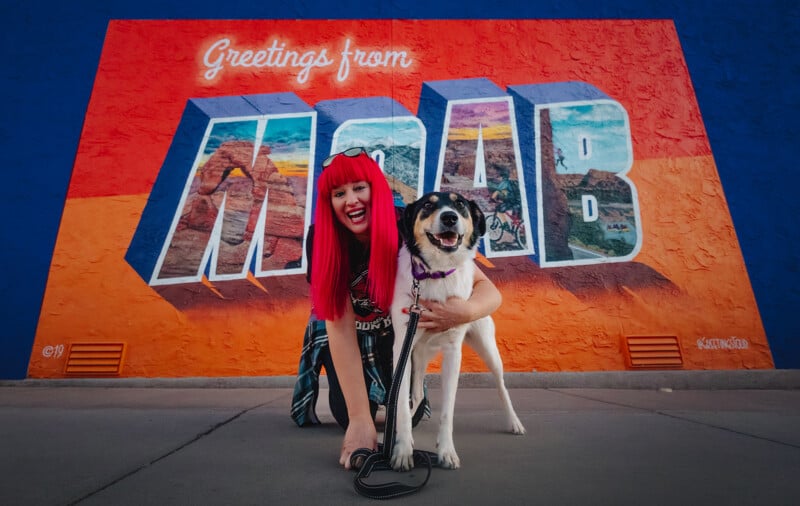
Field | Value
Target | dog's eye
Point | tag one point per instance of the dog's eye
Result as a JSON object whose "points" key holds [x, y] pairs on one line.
{"points": [[428, 206], [460, 204]]}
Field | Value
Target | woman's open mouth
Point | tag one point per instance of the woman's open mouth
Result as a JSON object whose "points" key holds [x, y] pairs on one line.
{"points": [[357, 216]]}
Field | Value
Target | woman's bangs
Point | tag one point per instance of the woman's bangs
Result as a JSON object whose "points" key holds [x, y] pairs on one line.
{"points": [[344, 170]]}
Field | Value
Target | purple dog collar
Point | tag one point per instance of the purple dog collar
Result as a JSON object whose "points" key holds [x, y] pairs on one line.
{"points": [[419, 272]]}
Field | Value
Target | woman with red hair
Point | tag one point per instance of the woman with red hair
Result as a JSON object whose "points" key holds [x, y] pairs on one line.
{"points": [[352, 248]]}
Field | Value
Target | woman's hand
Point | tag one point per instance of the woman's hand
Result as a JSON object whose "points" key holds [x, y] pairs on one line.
{"points": [[439, 317], [360, 433]]}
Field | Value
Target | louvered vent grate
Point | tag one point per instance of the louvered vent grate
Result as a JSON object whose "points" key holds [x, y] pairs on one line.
{"points": [[95, 359], [658, 352]]}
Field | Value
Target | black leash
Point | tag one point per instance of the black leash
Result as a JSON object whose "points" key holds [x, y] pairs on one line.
{"points": [[378, 461]]}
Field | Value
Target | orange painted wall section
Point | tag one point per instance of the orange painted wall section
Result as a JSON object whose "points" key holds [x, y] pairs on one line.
{"points": [[688, 280]]}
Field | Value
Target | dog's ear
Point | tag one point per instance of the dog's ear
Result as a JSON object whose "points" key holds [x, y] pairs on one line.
{"points": [[406, 224], [478, 218]]}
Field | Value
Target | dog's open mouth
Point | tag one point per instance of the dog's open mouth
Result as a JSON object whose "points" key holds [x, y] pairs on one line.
{"points": [[447, 241]]}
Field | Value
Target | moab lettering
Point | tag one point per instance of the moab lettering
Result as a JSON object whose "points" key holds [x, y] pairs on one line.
{"points": [[547, 163]]}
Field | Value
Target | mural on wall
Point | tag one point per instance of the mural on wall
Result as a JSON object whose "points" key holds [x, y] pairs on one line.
{"points": [[181, 249]]}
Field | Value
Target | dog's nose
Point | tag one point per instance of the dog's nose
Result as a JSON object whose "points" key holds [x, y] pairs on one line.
{"points": [[449, 218]]}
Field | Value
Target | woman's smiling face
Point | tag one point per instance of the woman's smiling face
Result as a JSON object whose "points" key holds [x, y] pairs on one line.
{"points": [[351, 206]]}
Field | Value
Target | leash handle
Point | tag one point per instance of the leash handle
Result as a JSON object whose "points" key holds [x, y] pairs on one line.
{"points": [[391, 489]]}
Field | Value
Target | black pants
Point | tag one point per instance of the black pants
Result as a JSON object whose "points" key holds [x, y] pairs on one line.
{"points": [[336, 397]]}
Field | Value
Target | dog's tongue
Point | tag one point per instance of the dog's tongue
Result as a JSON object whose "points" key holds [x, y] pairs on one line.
{"points": [[448, 239]]}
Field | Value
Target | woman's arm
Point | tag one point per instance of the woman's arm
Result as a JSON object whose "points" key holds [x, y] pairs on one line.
{"points": [[346, 356], [485, 300]]}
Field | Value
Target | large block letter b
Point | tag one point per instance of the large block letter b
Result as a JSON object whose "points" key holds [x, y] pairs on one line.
{"points": [[587, 209]]}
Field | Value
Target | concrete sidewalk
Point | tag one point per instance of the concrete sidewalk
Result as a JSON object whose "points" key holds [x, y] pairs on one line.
{"points": [[92, 442]]}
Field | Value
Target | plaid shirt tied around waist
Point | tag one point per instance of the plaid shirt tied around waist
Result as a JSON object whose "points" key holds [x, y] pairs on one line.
{"points": [[315, 340]]}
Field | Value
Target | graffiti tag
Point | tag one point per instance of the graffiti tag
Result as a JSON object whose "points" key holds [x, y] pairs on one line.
{"points": [[51, 351], [731, 343]]}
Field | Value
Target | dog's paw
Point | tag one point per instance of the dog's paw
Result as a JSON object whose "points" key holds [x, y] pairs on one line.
{"points": [[448, 458], [517, 428], [402, 456], [514, 425]]}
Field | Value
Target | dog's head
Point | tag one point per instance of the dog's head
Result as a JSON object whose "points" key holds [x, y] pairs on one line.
{"points": [[441, 225]]}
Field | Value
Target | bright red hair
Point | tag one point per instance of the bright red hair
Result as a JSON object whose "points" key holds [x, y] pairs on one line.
{"points": [[330, 263]]}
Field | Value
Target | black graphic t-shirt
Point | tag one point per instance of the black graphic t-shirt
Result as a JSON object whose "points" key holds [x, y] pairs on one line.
{"points": [[369, 317]]}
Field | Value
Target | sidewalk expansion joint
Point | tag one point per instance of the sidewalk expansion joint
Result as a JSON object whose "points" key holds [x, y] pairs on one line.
{"points": [[681, 418], [158, 459]]}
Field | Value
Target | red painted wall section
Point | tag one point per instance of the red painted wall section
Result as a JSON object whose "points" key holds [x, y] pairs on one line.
{"points": [[688, 279]]}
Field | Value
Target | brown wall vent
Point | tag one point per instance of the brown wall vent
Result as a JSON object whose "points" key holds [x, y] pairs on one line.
{"points": [[657, 352], [95, 359]]}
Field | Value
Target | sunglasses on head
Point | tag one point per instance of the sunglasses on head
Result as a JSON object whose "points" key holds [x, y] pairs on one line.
{"points": [[350, 153]]}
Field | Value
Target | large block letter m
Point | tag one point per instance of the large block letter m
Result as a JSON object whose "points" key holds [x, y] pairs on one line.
{"points": [[230, 199]]}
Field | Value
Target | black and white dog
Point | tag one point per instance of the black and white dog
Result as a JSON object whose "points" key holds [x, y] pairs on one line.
{"points": [[441, 232]]}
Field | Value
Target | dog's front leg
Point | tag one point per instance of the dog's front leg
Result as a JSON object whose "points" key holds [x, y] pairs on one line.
{"points": [[451, 365], [403, 450]]}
